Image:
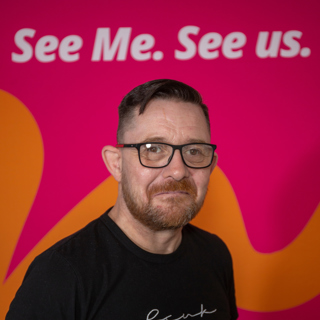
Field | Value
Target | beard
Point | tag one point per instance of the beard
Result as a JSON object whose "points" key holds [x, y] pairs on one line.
{"points": [[173, 213]]}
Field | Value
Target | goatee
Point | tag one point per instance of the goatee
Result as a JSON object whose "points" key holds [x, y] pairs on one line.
{"points": [[173, 213]]}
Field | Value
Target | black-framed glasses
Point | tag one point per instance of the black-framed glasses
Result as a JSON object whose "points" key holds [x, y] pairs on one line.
{"points": [[159, 155]]}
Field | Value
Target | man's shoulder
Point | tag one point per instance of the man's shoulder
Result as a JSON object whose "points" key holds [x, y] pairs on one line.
{"points": [[85, 245], [195, 232], [81, 239], [206, 241], [65, 274]]}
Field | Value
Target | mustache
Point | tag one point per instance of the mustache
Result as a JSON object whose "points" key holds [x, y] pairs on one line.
{"points": [[183, 186]]}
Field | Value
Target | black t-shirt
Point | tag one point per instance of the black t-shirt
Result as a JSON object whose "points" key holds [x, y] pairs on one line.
{"points": [[99, 273]]}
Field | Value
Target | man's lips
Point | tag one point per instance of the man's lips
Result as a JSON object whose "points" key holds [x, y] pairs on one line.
{"points": [[173, 189], [169, 193]]}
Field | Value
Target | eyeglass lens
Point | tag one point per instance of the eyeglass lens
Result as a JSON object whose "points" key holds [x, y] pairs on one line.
{"points": [[157, 155]]}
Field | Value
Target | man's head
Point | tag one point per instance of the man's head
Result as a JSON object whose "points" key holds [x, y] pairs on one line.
{"points": [[163, 112], [164, 89]]}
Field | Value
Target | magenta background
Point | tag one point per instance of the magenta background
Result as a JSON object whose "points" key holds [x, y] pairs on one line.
{"points": [[264, 112]]}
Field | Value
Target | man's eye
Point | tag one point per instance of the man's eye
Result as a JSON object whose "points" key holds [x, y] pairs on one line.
{"points": [[154, 149], [194, 152]]}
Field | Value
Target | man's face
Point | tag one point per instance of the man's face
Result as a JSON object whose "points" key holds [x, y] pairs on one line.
{"points": [[169, 197]]}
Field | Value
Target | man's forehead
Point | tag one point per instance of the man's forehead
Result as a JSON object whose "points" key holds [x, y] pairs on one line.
{"points": [[164, 108], [163, 119], [158, 138]]}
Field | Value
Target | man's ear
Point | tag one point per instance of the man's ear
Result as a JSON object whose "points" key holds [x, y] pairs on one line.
{"points": [[112, 159], [214, 162]]}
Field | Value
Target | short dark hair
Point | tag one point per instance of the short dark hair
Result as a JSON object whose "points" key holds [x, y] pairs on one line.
{"points": [[165, 89]]}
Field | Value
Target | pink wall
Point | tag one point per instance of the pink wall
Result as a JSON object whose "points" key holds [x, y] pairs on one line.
{"points": [[264, 104]]}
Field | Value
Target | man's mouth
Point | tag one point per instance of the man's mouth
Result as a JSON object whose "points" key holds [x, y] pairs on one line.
{"points": [[173, 189], [176, 192]]}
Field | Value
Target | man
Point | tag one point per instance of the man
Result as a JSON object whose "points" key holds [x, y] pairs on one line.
{"points": [[141, 259]]}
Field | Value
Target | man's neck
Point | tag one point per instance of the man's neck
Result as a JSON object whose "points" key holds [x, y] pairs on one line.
{"points": [[158, 242]]}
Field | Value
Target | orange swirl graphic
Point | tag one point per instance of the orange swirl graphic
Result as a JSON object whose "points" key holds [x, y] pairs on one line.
{"points": [[264, 282], [21, 163]]}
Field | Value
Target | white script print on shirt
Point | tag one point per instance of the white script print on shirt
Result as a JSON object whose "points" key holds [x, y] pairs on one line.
{"points": [[154, 313]]}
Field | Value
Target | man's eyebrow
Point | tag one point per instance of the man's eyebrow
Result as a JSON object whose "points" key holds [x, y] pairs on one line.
{"points": [[196, 141], [163, 140], [154, 139]]}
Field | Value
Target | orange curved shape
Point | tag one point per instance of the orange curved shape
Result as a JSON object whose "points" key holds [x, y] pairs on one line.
{"points": [[264, 282], [21, 163]]}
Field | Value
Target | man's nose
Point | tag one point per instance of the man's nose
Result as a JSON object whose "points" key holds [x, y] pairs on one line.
{"points": [[176, 168]]}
